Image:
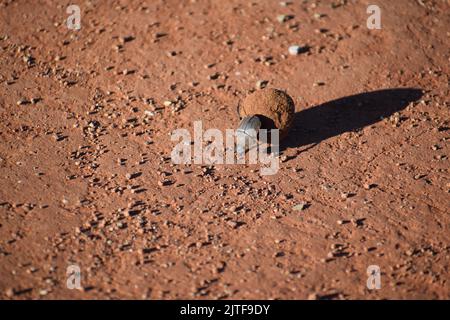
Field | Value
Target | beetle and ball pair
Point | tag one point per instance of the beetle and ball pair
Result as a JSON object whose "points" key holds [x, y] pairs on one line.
{"points": [[263, 109]]}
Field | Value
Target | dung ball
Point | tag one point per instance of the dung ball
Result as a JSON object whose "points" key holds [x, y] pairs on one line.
{"points": [[274, 107]]}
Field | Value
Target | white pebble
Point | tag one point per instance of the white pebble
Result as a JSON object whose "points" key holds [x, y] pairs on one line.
{"points": [[294, 50]]}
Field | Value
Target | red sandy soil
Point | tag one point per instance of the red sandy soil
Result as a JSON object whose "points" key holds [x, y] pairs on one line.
{"points": [[366, 159]]}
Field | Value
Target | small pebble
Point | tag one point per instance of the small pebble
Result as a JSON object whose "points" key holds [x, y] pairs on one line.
{"points": [[126, 39], [300, 207], [43, 292], [9, 292], [284, 17], [294, 50], [313, 296], [345, 195], [261, 84], [22, 101], [232, 224]]}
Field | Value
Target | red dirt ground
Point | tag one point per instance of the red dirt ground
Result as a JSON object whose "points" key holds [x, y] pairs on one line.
{"points": [[367, 154]]}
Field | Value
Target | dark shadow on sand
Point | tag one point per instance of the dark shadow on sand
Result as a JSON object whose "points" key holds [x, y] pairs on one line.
{"points": [[351, 113]]}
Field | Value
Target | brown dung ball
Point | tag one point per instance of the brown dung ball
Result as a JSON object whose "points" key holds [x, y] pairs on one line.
{"points": [[274, 107]]}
